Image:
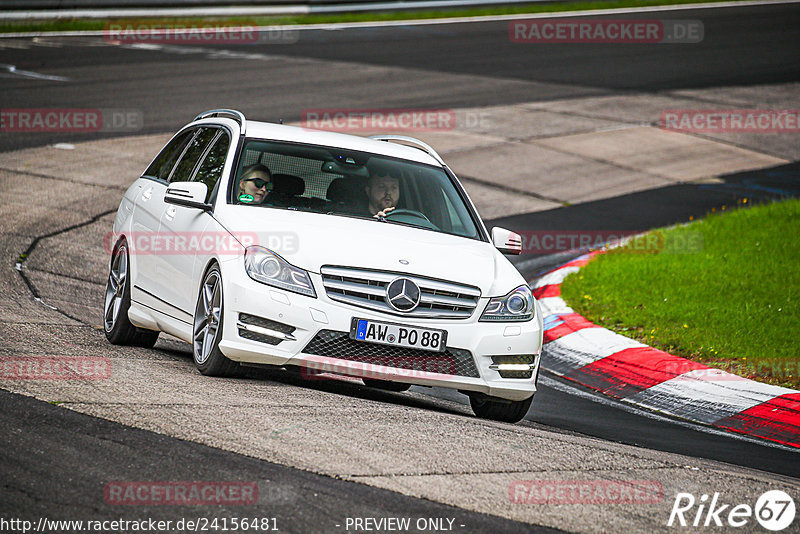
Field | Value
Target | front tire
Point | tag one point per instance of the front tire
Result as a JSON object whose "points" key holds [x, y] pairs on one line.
{"points": [[502, 410], [207, 330], [116, 325]]}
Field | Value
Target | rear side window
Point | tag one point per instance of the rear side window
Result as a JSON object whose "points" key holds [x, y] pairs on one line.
{"points": [[211, 168], [162, 165], [197, 146]]}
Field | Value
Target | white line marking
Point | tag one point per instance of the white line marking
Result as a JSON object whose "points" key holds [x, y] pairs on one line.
{"points": [[28, 74], [211, 53]]}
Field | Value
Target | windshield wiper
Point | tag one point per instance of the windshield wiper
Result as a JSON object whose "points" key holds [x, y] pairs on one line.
{"points": [[403, 223]]}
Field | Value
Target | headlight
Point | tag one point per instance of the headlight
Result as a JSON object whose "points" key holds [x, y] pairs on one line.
{"points": [[516, 306], [265, 266]]}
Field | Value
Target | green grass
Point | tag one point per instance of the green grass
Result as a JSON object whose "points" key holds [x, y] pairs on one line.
{"points": [[729, 300], [160, 22]]}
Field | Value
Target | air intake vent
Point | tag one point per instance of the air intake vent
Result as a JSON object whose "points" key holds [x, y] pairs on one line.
{"points": [[264, 330], [333, 344]]}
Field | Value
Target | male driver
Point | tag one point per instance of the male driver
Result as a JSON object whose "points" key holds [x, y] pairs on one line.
{"points": [[383, 190]]}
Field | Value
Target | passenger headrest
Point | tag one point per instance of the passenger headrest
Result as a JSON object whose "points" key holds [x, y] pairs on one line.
{"points": [[348, 190], [288, 185]]}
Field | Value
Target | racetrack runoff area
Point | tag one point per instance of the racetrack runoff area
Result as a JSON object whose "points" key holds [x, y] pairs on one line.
{"points": [[514, 160]]}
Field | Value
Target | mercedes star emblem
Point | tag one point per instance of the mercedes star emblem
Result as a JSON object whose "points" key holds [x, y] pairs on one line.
{"points": [[403, 294]]}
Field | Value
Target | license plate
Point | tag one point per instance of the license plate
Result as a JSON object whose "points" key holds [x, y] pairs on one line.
{"points": [[398, 335]]}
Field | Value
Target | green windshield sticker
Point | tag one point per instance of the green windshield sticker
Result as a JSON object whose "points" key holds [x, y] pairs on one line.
{"points": [[246, 198]]}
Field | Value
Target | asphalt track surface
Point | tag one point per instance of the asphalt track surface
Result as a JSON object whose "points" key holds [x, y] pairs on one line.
{"points": [[751, 45], [447, 66], [59, 460]]}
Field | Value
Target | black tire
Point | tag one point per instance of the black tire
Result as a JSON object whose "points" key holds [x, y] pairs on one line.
{"points": [[385, 385], [116, 324], [208, 316], [502, 410]]}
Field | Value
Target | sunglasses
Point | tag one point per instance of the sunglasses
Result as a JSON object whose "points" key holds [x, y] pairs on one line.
{"points": [[259, 183]]}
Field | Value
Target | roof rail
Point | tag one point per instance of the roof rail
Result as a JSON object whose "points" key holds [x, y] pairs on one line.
{"points": [[410, 141], [238, 116]]}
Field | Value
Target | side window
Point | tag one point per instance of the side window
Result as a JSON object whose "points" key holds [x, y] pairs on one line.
{"points": [[183, 170], [211, 168], [162, 165]]}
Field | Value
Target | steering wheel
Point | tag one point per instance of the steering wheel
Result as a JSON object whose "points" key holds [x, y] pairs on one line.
{"points": [[411, 213], [403, 215]]}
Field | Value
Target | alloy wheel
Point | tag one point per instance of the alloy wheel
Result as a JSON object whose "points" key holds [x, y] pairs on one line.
{"points": [[115, 288], [207, 317]]}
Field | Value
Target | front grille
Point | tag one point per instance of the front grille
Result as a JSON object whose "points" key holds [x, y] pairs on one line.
{"points": [[528, 359], [367, 289], [333, 344], [253, 320]]}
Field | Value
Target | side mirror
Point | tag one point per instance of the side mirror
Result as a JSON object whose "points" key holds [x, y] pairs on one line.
{"points": [[189, 194], [506, 241]]}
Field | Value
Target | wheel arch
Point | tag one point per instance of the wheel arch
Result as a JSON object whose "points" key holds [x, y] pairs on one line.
{"points": [[121, 238], [211, 262], [198, 282]]}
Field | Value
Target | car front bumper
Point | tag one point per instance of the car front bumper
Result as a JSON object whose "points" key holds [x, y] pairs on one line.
{"points": [[313, 333]]}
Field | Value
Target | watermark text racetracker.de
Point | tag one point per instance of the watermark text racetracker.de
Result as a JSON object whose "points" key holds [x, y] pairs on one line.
{"points": [[731, 120], [134, 32], [394, 119], [552, 241], [80, 120], [585, 492], [608, 31], [146, 243], [191, 493], [80, 368]]}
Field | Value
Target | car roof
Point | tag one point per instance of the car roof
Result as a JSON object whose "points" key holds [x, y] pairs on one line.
{"points": [[296, 134]]}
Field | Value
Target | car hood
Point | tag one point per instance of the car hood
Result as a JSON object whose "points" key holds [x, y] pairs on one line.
{"points": [[311, 240]]}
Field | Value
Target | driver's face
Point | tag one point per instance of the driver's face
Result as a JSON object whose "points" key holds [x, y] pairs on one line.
{"points": [[383, 192]]}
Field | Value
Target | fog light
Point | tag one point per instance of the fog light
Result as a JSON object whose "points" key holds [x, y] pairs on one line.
{"points": [[514, 367]]}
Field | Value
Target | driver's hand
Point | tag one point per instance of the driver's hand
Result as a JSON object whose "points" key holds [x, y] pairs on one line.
{"points": [[381, 214]]}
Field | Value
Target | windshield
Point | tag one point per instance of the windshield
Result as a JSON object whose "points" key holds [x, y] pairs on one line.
{"points": [[352, 184]]}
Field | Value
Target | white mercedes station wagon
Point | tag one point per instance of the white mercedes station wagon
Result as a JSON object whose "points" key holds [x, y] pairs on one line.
{"points": [[265, 244]]}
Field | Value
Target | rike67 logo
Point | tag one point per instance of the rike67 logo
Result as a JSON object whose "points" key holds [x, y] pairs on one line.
{"points": [[774, 510]]}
